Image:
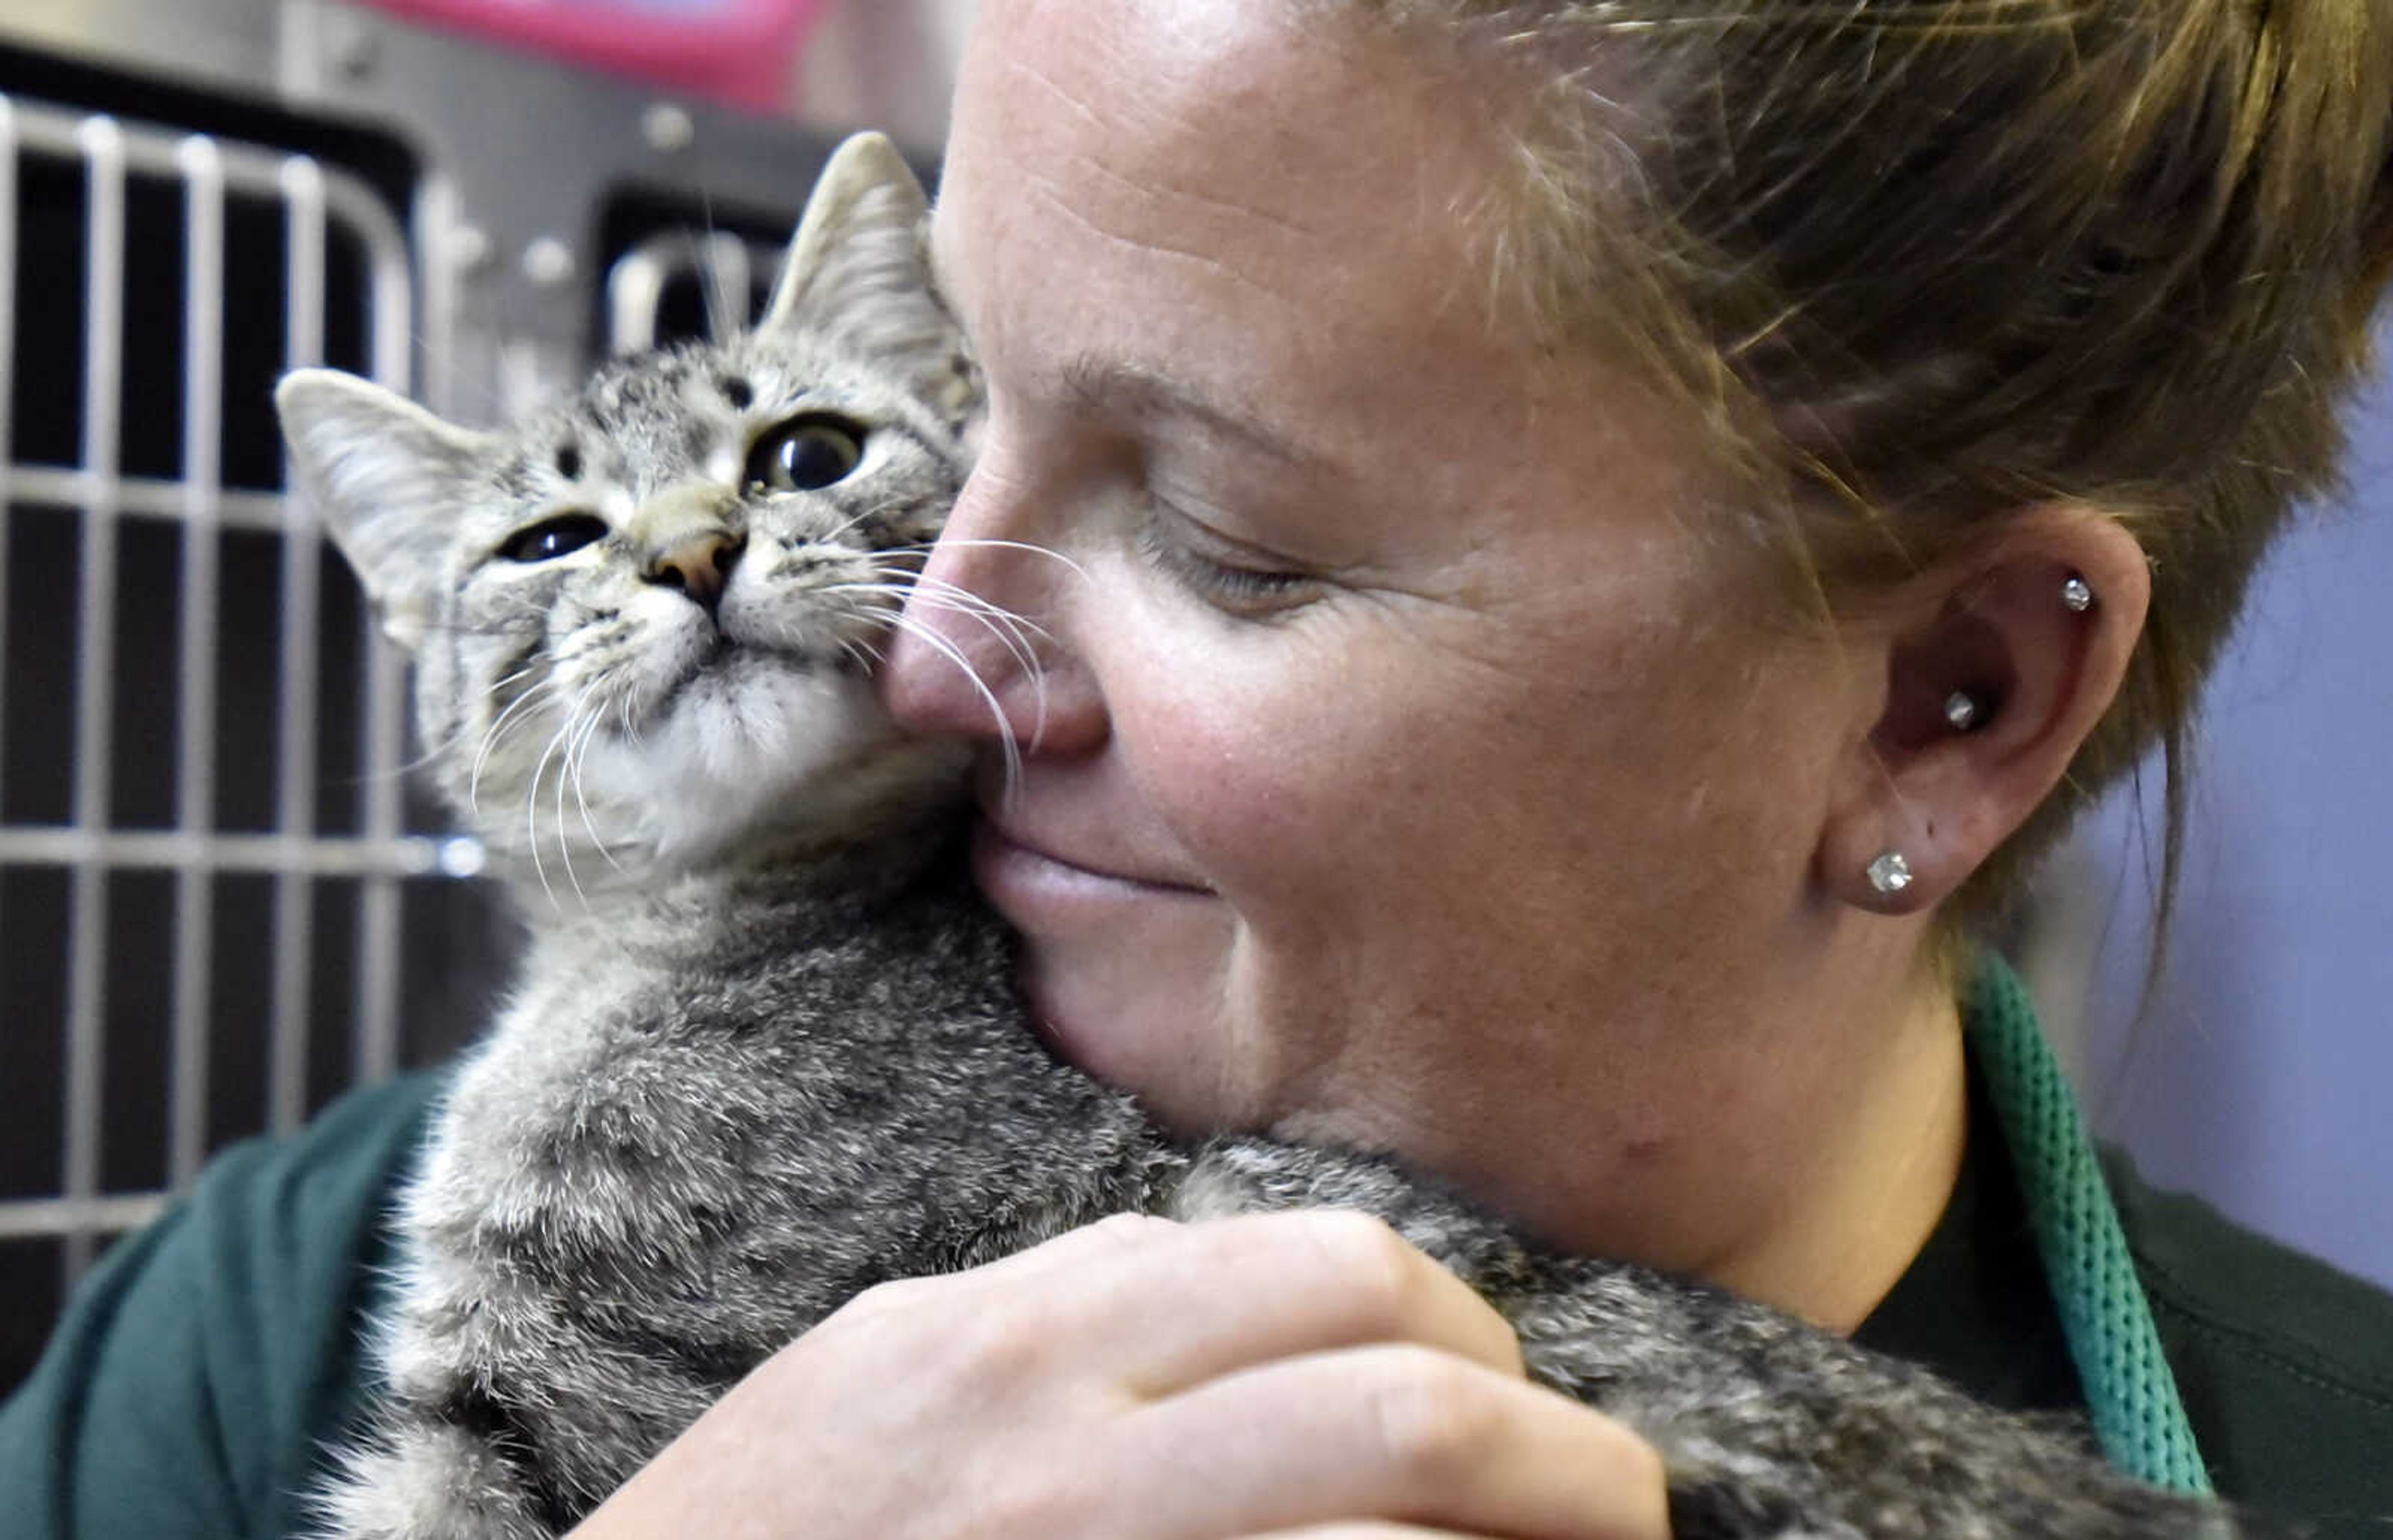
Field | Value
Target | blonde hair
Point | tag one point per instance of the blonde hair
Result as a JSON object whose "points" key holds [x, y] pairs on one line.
{"points": [[1926, 262]]}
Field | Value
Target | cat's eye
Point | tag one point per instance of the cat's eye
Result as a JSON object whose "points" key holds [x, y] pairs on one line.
{"points": [[553, 537], [806, 454]]}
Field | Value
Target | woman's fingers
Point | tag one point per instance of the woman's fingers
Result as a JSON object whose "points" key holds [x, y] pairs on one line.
{"points": [[1145, 1380], [1242, 1291], [1365, 1532], [1395, 1434], [1266, 1286]]}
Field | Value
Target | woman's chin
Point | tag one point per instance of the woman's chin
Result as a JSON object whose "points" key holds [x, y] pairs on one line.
{"points": [[1123, 979], [1135, 1034]]}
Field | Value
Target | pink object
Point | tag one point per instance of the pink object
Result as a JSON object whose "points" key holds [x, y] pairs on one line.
{"points": [[737, 51]]}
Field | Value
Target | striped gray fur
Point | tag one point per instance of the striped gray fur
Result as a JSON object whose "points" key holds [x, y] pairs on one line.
{"points": [[763, 1053]]}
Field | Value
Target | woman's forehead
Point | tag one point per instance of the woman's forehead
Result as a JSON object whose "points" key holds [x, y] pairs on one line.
{"points": [[1143, 196], [1251, 120]]}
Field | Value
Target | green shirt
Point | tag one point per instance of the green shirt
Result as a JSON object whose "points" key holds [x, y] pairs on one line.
{"points": [[193, 1388]]}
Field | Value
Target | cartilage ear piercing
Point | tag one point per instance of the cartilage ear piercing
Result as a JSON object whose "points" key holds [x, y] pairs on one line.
{"points": [[2077, 593], [1890, 874], [1962, 711]]}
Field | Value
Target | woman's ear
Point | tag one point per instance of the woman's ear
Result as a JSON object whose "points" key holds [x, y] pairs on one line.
{"points": [[1998, 666]]}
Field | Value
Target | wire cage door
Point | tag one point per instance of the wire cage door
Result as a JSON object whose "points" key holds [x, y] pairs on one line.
{"points": [[222, 905], [203, 830]]}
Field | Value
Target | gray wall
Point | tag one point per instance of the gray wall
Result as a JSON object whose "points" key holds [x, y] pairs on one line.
{"points": [[886, 64]]}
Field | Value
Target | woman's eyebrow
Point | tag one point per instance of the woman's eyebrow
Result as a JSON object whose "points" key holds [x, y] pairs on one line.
{"points": [[1130, 389]]}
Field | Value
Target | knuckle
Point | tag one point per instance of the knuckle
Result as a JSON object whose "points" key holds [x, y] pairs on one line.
{"points": [[1081, 1486], [1129, 1228], [1377, 1272], [1432, 1419], [885, 1318], [897, 1298], [882, 1325], [1023, 1499], [920, 1333], [987, 1358]]}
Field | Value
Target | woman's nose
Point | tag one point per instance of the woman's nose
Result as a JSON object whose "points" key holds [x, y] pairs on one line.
{"points": [[982, 650]]}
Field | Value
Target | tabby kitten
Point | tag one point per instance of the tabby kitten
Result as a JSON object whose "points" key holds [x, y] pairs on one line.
{"points": [[763, 1053]]}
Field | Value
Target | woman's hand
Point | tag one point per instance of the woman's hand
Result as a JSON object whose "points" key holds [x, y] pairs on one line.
{"points": [[1287, 1374]]}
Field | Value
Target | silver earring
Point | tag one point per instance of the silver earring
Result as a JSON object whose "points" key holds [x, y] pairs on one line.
{"points": [[2077, 593], [1961, 711], [1890, 874]]}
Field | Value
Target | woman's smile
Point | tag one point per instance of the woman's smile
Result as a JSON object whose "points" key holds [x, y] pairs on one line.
{"points": [[1036, 886]]}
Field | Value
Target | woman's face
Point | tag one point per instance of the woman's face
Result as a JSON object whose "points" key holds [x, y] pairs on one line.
{"points": [[1407, 768]]}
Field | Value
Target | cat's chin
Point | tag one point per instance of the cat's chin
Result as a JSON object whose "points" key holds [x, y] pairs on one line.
{"points": [[755, 750]]}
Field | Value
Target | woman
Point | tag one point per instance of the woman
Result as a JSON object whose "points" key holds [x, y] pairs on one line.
{"points": [[1593, 535], [1596, 540]]}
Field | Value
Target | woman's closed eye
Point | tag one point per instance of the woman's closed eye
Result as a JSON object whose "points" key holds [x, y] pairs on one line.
{"points": [[1229, 575]]}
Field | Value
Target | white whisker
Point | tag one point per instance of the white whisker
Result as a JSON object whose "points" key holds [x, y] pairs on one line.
{"points": [[532, 814], [497, 730], [1018, 624], [998, 623], [435, 752], [845, 525], [1006, 626], [573, 761], [955, 655], [565, 774], [1074, 567]]}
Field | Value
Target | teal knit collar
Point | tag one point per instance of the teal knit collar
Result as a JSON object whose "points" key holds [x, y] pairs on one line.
{"points": [[2130, 1393]]}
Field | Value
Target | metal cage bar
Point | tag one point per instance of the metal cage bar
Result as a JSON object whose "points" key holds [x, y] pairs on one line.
{"points": [[300, 182], [383, 753], [204, 273], [72, 487], [8, 237], [102, 143]]}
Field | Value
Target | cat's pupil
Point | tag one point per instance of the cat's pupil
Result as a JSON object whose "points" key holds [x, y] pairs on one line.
{"points": [[815, 461], [806, 455], [553, 537]]}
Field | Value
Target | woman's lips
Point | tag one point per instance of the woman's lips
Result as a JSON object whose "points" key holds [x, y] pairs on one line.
{"points": [[1029, 886]]}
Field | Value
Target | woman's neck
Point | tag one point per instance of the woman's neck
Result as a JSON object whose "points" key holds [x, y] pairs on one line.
{"points": [[1874, 1194]]}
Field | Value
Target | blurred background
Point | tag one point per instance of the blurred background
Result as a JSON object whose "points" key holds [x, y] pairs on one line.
{"points": [[220, 905]]}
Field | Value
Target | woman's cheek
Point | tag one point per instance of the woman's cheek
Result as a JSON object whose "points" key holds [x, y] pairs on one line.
{"points": [[1256, 740]]}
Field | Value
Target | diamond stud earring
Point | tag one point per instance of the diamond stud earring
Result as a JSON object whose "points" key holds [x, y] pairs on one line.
{"points": [[1890, 874], [2077, 593], [1961, 711]]}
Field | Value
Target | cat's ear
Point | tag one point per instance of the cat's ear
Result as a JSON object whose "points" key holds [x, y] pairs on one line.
{"points": [[388, 477], [859, 273]]}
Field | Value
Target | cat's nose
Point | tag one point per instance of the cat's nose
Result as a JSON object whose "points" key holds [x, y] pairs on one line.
{"points": [[696, 564]]}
